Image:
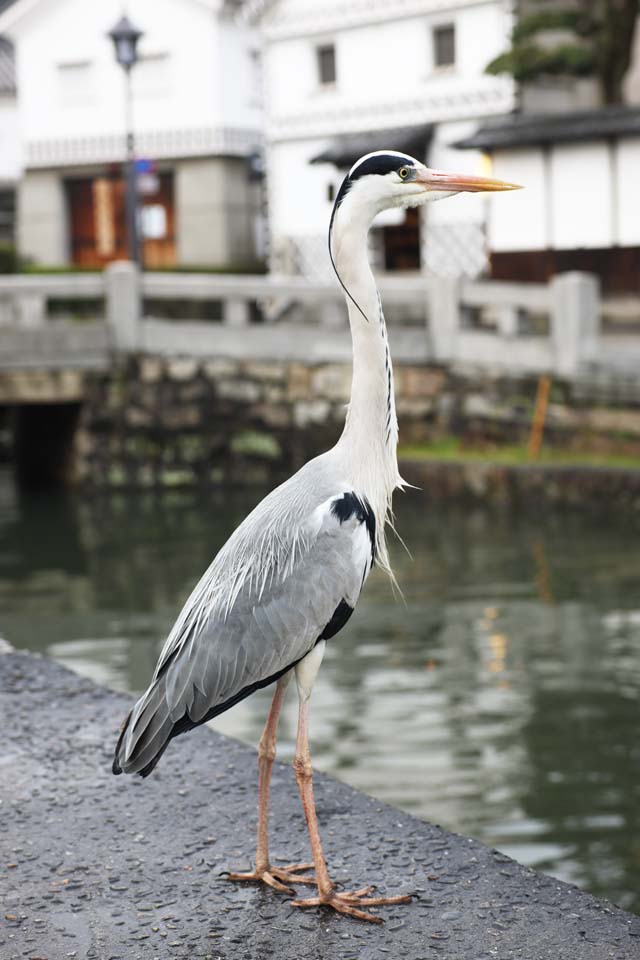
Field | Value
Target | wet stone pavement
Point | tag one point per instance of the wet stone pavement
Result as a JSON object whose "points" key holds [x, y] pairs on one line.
{"points": [[104, 867]]}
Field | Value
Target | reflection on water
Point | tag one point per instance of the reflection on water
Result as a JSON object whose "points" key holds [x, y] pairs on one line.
{"points": [[500, 699]]}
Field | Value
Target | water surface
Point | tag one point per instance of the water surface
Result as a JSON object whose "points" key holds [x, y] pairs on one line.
{"points": [[499, 699]]}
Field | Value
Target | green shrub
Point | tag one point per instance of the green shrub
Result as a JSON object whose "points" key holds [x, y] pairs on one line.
{"points": [[9, 259]]}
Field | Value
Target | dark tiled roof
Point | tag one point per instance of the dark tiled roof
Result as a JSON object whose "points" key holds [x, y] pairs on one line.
{"points": [[7, 70], [348, 148], [519, 130]]}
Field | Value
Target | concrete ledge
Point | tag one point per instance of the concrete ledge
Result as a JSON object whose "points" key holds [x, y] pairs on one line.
{"points": [[100, 867]]}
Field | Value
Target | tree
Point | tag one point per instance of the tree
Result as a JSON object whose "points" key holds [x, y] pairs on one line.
{"points": [[589, 39]]}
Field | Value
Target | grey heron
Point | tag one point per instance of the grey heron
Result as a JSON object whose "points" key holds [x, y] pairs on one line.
{"points": [[289, 577]]}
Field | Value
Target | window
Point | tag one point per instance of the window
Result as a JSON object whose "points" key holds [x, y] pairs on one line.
{"points": [[331, 193], [444, 45], [75, 83], [326, 56]]}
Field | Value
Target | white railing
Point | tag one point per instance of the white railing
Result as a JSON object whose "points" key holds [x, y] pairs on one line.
{"points": [[487, 326]]}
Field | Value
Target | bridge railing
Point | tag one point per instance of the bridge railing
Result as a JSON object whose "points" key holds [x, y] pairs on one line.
{"points": [[563, 328]]}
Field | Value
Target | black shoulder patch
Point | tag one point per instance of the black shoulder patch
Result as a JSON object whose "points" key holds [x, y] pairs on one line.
{"points": [[340, 616], [350, 505]]}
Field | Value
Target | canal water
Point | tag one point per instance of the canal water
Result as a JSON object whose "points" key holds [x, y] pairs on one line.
{"points": [[500, 697]]}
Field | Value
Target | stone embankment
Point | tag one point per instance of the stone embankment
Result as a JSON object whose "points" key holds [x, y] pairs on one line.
{"points": [[169, 422], [157, 421], [107, 868]]}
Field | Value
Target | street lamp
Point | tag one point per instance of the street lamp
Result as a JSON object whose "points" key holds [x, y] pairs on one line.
{"points": [[125, 41]]}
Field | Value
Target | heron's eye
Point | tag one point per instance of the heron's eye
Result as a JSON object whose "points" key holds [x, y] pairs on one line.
{"points": [[403, 173]]}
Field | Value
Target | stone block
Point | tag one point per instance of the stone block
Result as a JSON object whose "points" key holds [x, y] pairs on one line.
{"points": [[417, 382], [273, 415], [406, 407], [182, 368], [299, 382], [193, 390], [273, 372], [307, 412], [254, 444], [478, 405], [176, 477], [179, 418], [243, 391], [138, 417], [560, 415], [220, 367], [41, 386], [274, 394], [332, 382], [613, 421], [151, 369]]}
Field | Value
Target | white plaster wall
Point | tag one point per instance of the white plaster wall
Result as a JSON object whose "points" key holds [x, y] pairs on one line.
{"points": [[580, 196], [240, 102], [518, 220], [9, 141], [584, 195], [387, 62], [628, 192], [466, 207], [42, 223], [298, 203], [203, 82]]}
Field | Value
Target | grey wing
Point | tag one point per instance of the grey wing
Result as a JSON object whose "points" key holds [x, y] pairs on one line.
{"points": [[273, 622]]}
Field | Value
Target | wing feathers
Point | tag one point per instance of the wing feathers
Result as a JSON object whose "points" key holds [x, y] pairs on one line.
{"points": [[280, 599]]}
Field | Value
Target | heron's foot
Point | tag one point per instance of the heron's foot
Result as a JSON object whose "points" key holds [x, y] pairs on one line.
{"points": [[350, 902], [277, 877]]}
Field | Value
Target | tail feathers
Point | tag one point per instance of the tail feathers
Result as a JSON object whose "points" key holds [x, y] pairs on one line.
{"points": [[145, 734], [115, 767], [152, 723]]}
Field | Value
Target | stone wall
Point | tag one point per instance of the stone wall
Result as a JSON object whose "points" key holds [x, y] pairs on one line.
{"points": [[156, 421], [170, 422]]}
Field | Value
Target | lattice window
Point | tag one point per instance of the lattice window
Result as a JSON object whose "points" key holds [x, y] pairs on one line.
{"points": [[455, 250]]}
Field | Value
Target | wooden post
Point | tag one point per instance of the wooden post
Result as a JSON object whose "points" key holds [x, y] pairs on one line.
{"points": [[539, 417]]}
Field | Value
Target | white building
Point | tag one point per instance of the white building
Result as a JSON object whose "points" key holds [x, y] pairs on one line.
{"points": [[9, 141], [196, 116], [344, 77], [580, 209]]}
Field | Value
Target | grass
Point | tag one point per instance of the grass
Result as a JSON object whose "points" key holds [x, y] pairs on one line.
{"points": [[451, 450]]}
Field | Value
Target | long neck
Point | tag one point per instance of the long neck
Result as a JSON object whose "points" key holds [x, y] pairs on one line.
{"points": [[370, 434]]}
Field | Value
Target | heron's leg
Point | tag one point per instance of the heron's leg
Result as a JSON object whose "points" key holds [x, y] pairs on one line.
{"points": [[347, 902], [273, 876]]}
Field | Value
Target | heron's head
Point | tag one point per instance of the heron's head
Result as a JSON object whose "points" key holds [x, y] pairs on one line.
{"points": [[386, 179]]}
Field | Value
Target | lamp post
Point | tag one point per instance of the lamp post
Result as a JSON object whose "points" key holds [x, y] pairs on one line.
{"points": [[125, 41]]}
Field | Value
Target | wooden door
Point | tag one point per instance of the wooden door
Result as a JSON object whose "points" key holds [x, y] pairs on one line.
{"points": [[96, 210]]}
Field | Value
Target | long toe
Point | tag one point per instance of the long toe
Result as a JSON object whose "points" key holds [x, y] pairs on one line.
{"points": [[352, 902], [276, 877], [291, 873], [262, 876]]}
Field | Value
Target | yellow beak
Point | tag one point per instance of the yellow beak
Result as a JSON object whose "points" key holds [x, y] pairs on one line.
{"points": [[441, 180]]}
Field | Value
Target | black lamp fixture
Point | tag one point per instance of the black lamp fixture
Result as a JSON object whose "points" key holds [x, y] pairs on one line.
{"points": [[125, 39]]}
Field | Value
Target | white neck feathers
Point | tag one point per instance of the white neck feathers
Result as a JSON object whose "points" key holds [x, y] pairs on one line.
{"points": [[370, 436]]}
